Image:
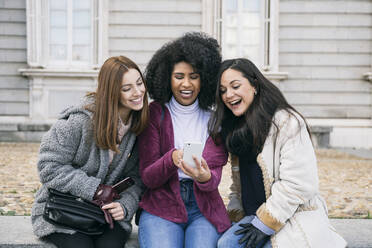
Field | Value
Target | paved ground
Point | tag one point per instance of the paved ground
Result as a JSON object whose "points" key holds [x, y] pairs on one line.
{"points": [[345, 181]]}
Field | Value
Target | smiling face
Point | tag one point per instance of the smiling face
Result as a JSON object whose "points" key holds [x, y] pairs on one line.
{"points": [[132, 92], [236, 91], [185, 83]]}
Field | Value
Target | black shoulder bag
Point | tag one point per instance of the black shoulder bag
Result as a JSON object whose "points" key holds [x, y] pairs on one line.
{"points": [[72, 212]]}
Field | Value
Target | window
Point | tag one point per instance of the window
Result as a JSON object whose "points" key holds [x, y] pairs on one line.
{"points": [[246, 28], [64, 33], [242, 29], [70, 32]]}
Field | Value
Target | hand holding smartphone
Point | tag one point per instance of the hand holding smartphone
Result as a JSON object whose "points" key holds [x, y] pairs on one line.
{"points": [[190, 149]]}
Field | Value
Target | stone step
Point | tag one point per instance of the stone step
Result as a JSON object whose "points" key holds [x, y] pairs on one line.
{"points": [[16, 231], [33, 132], [22, 132]]}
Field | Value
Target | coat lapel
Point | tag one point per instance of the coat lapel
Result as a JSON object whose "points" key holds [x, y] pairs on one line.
{"points": [[119, 161]]}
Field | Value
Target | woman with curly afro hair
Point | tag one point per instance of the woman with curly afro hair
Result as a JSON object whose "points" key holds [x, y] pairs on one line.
{"points": [[181, 205]]}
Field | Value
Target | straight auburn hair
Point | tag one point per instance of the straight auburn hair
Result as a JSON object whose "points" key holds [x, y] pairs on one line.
{"points": [[106, 100]]}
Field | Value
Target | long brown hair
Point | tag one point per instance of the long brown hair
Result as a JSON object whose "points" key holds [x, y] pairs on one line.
{"points": [[106, 103]]}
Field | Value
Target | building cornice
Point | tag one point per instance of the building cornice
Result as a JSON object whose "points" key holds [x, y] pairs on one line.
{"points": [[38, 72], [368, 76], [276, 75]]}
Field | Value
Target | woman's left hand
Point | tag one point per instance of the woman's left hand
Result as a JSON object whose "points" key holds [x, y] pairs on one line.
{"points": [[200, 173], [251, 235], [115, 209]]}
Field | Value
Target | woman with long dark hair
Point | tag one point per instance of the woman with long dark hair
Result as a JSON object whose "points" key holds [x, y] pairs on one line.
{"points": [[275, 200], [92, 147]]}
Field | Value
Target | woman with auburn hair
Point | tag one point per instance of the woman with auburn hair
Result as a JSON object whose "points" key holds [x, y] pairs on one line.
{"points": [[275, 199], [181, 205], [90, 148]]}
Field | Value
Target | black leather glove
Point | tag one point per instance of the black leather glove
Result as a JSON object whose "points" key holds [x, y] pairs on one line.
{"points": [[105, 194], [251, 235]]}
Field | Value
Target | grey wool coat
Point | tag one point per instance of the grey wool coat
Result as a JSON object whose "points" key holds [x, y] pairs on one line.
{"points": [[70, 161]]}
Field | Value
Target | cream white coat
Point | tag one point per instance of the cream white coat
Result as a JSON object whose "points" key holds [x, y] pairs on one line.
{"points": [[293, 207]]}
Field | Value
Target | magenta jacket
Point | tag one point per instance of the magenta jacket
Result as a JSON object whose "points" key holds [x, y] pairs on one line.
{"points": [[162, 196]]}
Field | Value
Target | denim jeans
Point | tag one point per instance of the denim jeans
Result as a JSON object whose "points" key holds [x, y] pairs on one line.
{"points": [[230, 240], [156, 232]]}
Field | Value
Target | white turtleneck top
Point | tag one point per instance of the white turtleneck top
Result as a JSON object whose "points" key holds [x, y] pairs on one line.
{"points": [[190, 124]]}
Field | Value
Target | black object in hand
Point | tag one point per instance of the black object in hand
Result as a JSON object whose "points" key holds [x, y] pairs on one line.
{"points": [[123, 185], [251, 235]]}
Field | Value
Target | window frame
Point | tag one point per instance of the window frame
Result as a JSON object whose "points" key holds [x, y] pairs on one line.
{"points": [[37, 12], [212, 23]]}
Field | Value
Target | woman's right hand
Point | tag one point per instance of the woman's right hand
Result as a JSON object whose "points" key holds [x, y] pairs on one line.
{"points": [[177, 156], [200, 173]]}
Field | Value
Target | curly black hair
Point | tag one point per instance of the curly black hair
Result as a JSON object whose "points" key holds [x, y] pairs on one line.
{"points": [[200, 51]]}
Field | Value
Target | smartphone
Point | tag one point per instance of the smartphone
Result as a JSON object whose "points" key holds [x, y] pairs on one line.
{"points": [[190, 149], [123, 184]]}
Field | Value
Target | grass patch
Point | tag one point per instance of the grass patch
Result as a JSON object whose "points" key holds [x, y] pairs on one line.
{"points": [[369, 215], [7, 213]]}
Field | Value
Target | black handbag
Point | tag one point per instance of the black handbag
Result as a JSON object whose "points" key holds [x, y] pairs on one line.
{"points": [[72, 212]]}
